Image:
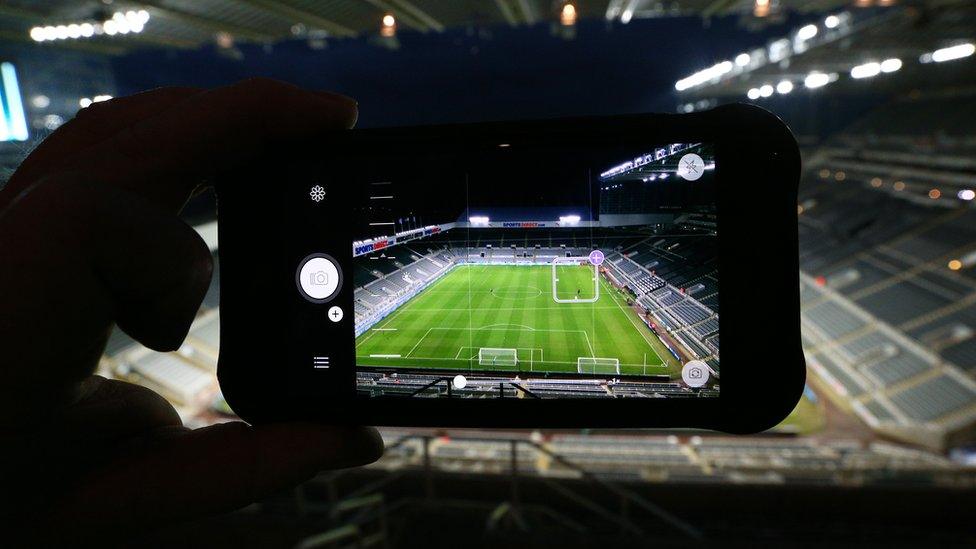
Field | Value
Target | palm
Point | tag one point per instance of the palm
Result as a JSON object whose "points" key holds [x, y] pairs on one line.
{"points": [[90, 239]]}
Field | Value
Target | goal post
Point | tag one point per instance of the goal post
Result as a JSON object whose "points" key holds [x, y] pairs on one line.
{"points": [[597, 365], [492, 356]]}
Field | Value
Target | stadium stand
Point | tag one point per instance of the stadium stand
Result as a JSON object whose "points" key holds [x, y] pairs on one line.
{"points": [[887, 300], [691, 315], [692, 459]]}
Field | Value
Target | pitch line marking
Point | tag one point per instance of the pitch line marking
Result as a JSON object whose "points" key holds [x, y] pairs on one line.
{"points": [[384, 356], [634, 324], [526, 296], [434, 310], [592, 354], [418, 341], [457, 356], [585, 335], [484, 327], [384, 329], [386, 321], [490, 326], [571, 363]]}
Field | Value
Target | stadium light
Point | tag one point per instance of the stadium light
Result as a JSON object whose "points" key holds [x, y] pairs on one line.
{"points": [[806, 32], [13, 117], [816, 80], [890, 65], [628, 13], [479, 220], [567, 17], [133, 21], [85, 102], [753, 93], [703, 76], [784, 87], [569, 220], [951, 53], [831, 21], [867, 70], [742, 59], [761, 8], [765, 90], [388, 28]]}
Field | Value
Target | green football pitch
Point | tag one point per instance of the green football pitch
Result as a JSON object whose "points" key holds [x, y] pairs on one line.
{"points": [[511, 307]]}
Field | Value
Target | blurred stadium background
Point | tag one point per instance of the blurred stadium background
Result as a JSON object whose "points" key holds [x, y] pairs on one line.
{"points": [[882, 97]]}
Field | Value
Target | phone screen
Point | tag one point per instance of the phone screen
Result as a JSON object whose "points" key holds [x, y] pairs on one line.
{"points": [[534, 271]]}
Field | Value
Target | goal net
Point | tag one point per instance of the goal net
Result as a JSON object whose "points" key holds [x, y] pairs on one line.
{"points": [[488, 356], [596, 365]]}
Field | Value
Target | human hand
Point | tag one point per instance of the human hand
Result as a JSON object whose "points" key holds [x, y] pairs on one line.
{"points": [[89, 238]]}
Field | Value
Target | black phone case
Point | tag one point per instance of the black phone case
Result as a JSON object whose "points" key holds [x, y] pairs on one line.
{"points": [[763, 373]]}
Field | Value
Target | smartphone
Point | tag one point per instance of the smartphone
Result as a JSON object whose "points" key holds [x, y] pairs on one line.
{"points": [[551, 273]]}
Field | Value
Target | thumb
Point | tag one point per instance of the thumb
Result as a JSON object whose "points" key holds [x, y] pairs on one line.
{"points": [[77, 256], [206, 471]]}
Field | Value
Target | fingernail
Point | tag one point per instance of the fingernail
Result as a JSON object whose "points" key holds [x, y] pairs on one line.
{"points": [[338, 96], [351, 105]]}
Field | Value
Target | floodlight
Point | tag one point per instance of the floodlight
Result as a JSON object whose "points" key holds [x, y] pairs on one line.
{"points": [[867, 70], [890, 65], [816, 80], [807, 32], [953, 52]]}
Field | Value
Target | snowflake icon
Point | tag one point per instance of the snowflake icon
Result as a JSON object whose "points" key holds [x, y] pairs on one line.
{"points": [[317, 193]]}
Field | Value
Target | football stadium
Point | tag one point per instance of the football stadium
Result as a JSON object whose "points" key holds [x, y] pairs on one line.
{"points": [[528, 300], [605, 293]]}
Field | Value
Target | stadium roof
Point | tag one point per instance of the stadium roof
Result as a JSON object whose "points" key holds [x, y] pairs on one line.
{"points": [[839, 44], [190, 23]]}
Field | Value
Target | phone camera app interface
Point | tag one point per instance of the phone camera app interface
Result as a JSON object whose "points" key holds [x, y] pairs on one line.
{"points": [[537, 272]]}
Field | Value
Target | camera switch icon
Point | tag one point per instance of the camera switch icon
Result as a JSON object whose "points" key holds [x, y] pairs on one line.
{"points": [[318, 278], [695, 373]]}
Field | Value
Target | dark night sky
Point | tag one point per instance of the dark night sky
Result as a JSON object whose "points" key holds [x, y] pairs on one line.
{"points": [[469, 75]]}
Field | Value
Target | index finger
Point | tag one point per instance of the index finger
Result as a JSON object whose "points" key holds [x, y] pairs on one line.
{"points": [[88, 128], [166, 156]]}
